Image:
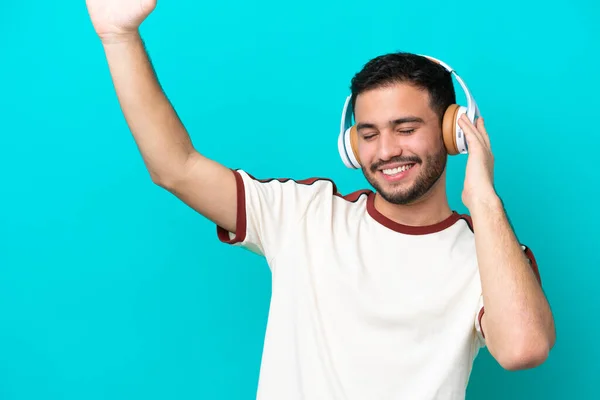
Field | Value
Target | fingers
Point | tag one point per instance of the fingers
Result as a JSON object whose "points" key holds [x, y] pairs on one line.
{"points": [[473, 133], [484, 134]]}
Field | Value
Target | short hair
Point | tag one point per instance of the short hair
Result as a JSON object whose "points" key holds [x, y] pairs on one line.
{"points": [[402, 67]]}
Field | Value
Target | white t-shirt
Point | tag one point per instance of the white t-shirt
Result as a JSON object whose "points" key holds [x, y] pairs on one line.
{"points": [[362, 308]]}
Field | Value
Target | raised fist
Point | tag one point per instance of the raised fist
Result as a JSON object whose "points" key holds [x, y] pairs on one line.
{"points": [[115, 19]]}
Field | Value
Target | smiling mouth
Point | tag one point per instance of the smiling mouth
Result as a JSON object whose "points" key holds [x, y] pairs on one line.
{"points": [[397, 170]]}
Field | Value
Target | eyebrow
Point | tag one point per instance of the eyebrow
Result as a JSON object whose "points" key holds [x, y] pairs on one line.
{"points": [[399, 121]]}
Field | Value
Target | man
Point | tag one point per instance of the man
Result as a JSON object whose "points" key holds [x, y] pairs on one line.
{"points": [[376, 295]]}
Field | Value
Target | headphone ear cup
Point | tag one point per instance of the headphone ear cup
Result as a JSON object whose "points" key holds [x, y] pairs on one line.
{"points": [[348, 148], [354, 145], [449, 129]]}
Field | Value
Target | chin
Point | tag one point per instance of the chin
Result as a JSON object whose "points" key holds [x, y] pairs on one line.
{"points": [[393, 192], [400, 196], [407, 189]]}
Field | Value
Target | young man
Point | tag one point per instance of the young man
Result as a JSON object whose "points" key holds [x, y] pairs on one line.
{"points": [[376, 294]]}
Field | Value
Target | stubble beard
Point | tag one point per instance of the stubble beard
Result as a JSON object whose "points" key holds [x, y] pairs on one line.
{"points": [[398, 194]]}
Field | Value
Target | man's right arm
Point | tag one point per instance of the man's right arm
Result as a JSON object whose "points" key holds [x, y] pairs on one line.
{"points": [[165, 146]]}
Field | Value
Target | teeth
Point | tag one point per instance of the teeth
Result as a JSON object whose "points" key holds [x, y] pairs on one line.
{"points": [[394, 171]]}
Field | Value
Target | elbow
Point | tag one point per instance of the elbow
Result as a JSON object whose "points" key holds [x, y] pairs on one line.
{"points": [[156, 178], [169, 175], [527, 359], [525, 354], [160, 180], [168, 178], [167, 182]]}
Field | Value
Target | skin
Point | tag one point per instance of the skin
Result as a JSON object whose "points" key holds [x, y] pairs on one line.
{"points": [[518, 322], [420, 198]]}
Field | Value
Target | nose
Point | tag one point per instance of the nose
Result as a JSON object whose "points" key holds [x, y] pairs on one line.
{"points": [[389, 146]]}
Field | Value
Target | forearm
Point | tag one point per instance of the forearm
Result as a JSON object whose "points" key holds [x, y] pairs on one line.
{"points": [[159, 134], [518, 319]]}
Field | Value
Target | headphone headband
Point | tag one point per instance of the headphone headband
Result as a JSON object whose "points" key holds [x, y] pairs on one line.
{"points": [[472, 109]]}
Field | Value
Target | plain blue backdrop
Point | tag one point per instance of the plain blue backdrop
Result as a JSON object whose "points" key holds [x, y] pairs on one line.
{"points": [[111, 288]]}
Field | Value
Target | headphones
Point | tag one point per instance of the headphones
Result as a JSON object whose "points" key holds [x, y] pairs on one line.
{"points": [[454, 138]]}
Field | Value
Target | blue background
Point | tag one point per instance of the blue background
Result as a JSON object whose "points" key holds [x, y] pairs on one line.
{"points": [[111, 288]]}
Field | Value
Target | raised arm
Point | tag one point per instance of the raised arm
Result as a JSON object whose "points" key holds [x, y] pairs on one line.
{"points": [[165, 146]]}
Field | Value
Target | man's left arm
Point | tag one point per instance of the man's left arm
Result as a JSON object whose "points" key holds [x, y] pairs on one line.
{"points": [[517, 321]]}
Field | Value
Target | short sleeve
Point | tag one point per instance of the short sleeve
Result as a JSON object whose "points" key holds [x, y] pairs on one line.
{"points": [[268, 210], [481, 308]]}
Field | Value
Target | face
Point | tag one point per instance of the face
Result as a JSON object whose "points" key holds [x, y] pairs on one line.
{"points": [[400, 142]]}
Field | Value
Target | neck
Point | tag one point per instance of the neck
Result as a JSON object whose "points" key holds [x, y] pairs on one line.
{"points": [[432, 208]]}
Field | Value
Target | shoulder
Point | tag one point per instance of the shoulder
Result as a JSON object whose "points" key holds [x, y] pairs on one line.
{"points": [[527, 251], [466, 220], [316, 188], [304, 184]]}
